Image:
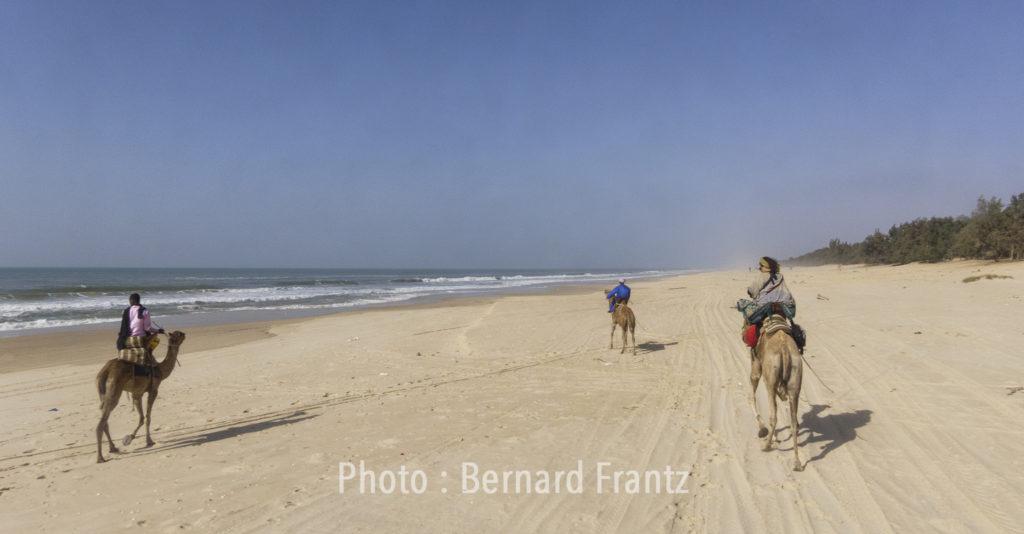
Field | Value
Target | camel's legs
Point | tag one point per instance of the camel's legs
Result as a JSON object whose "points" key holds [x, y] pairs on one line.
{"points": [[106, 430], [794, 424], [109, 403], [755, 377], [99, 434], [773, 416], [624, 340], [137, 399], [632, 333], [114, 400], [150, 399], [794, 385], [611, 342]]}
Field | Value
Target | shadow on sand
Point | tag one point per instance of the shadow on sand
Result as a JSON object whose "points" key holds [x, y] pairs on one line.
{"points": [[834, 430], [653, 346], [212, 435]]}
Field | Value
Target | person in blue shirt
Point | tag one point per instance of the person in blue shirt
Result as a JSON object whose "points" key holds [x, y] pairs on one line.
{"points": [[617, 295]]}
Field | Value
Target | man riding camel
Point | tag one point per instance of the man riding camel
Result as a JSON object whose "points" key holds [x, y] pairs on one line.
{"points": [[768, 288], [771, 296], [137, 329], [617, 295]]}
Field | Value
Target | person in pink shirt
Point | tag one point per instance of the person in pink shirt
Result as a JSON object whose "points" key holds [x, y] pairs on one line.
{"points": [[135, 323]]}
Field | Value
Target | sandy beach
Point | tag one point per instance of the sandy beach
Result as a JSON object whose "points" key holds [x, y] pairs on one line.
{"points": [[920, 433]]}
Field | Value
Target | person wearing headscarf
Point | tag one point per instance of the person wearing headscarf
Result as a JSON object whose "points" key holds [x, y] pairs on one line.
{"points": [[769, 287], [770, 296]]}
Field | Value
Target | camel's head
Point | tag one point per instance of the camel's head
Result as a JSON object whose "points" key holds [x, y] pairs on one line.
{"points": [[177, 337]]}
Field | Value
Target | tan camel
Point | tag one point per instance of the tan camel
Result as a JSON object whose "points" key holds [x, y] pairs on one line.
{"points": [[777, 358], [623, 317], [117, 376]]}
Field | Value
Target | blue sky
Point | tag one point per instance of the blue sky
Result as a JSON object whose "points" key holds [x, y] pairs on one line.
{"points": [[481, 134]]}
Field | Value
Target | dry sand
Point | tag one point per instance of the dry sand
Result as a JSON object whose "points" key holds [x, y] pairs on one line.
{"points": [[920, 434]]}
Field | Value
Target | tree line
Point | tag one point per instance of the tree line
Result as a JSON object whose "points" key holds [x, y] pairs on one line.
{"points": [[993, 231]]}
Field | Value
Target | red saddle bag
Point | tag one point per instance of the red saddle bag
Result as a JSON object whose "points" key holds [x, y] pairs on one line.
{"points": [[750, 335]]}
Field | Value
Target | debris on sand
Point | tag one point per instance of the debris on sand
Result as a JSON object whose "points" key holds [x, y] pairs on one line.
{"points": [[975, 278], [1014, 389], [822, 297]]}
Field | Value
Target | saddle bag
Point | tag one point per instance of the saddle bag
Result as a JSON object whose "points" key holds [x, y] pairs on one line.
{"points": [[750, 335]]}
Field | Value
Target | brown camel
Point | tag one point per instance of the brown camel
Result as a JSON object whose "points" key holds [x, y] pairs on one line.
{"points": [[623, 317], [119, 375], [777, 358]]}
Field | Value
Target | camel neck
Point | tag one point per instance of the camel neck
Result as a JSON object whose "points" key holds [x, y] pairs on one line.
{"points": [[167, 364]]}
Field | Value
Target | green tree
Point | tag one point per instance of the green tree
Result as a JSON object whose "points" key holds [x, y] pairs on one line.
{"points": [[876, 248], [991, 232], [1014, 220], [985, 234]]}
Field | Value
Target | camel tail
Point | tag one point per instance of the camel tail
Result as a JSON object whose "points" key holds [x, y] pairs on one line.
{"points": [[101, 380], [787, 364], [785, 372]]}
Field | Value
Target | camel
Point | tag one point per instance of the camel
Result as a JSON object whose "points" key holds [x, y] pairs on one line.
{"points": [[623, 317], [117, 376], [777, 358]]}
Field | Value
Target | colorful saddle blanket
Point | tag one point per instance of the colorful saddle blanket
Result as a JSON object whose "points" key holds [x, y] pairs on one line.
{"points": [[135, 348], [774, 323]]}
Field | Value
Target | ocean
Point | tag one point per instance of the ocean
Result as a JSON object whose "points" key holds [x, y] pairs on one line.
{"points": [[48, 298]]}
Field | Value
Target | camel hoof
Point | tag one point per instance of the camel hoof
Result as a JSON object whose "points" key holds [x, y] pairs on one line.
{"points": [[767, 446], [101, 460], [115, 450], [127, 440], [798, 467], [762, 432], [150, 444]]}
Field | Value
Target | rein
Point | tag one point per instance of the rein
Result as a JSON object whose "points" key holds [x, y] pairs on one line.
{"points": [[177, 361]]}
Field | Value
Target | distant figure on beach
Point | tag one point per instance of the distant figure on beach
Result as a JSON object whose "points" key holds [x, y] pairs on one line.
{"points": [[623, 317], [617, 295], [137, 332]]}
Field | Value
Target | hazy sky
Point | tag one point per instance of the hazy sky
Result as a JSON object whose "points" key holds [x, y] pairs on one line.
{"points": [[479, 134]]}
